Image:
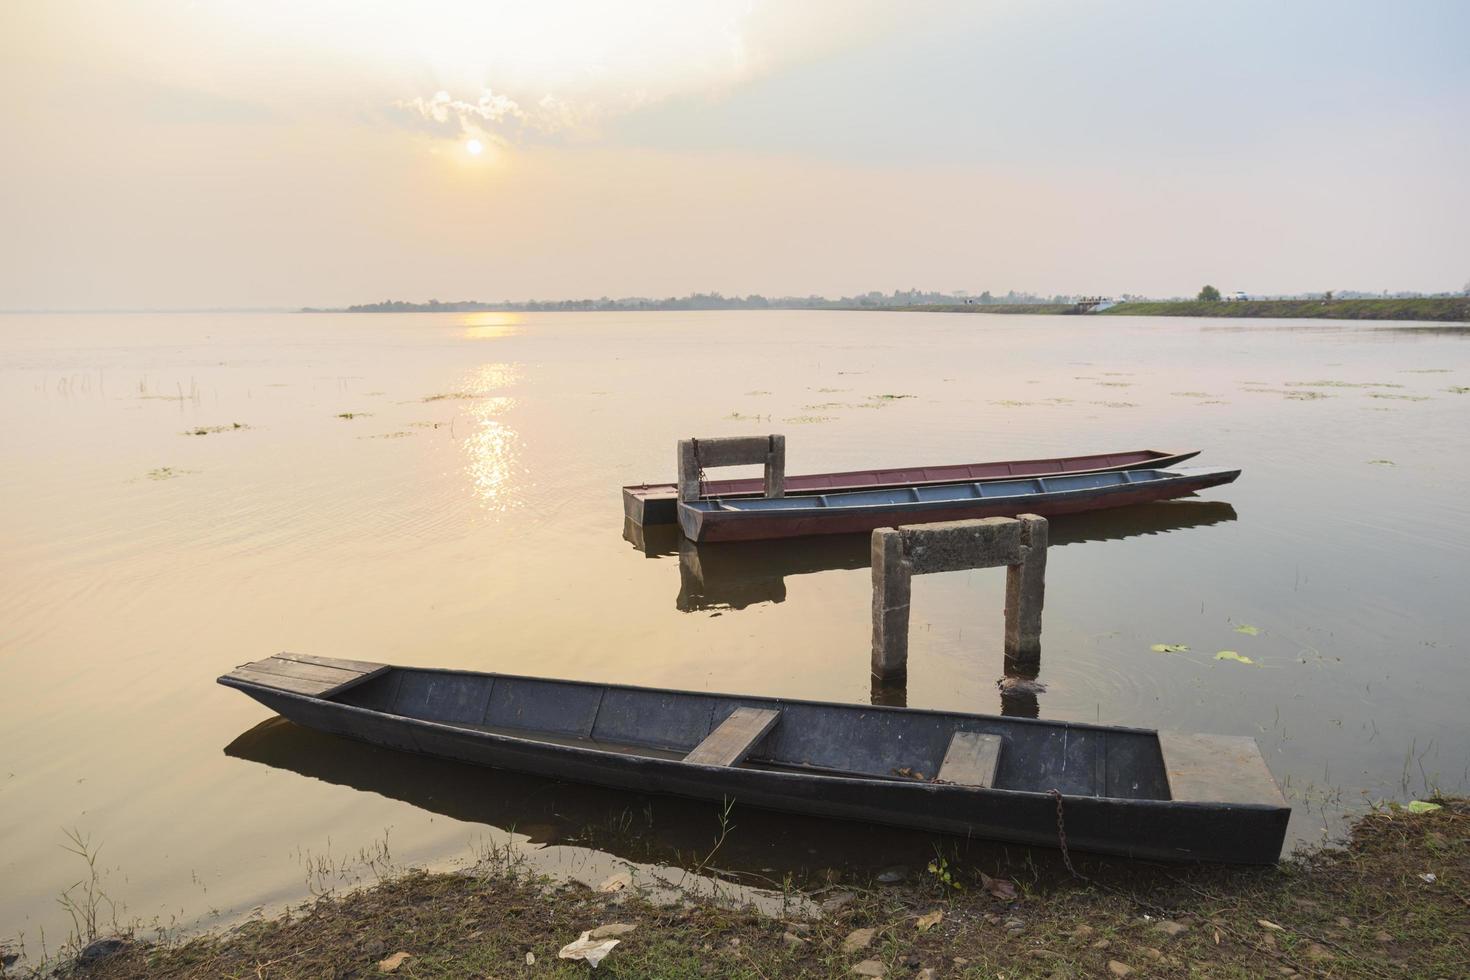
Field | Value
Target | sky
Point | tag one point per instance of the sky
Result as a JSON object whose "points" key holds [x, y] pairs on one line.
{"points": [[260, 153]]}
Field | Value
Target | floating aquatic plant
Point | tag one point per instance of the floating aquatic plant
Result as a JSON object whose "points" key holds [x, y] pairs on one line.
{"points": [[207, 430]]}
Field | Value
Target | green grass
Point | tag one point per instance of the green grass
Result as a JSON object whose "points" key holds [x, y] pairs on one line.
{"points": [[1360, 910], [1452, 309]]}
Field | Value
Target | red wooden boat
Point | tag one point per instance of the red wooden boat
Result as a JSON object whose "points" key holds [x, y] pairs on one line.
{"points": [[751, 519], [655, 503]]}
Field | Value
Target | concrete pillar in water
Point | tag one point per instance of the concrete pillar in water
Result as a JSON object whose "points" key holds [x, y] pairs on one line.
{"points": [[697, 454], [892, 588], [901, 553], [1026, 592]]}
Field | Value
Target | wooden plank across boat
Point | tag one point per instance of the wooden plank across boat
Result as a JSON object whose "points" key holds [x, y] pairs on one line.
{"points": [[760, 518], [655, 503], [1124, 791]]}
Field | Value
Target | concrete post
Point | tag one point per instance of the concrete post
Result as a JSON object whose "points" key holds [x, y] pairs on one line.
{"points": [[769, 451], [898, 554], [688, 469], [776, 467], [892, 587], [1026, 591]]}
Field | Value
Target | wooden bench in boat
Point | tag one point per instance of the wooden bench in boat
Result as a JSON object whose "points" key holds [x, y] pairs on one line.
{"points": [[736, 736], [317, 677], [971, 760], [1217, 769]]}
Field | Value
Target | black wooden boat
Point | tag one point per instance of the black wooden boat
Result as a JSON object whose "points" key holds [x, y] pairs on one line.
{"points": [[652, 504], [761, 518], [1125, 791]]}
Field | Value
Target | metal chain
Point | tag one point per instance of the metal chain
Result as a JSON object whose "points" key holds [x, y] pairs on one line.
{"points": [[698, 466], [1062, 838], [1067, 860]]}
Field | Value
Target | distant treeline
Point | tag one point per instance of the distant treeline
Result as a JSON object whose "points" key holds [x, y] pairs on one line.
{"points": [[705, 301]]}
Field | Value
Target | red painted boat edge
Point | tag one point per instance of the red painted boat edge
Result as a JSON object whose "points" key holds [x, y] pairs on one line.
{"points": [[654, 503]]}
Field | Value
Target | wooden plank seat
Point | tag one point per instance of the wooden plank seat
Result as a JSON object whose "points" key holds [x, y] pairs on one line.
{"points": [[971, 760], [1217, 769], [734, 738], [317, 677]]}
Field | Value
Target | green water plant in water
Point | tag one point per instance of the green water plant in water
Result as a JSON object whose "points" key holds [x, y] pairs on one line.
{"points": [[1170, 648], [205, 430], [1232, 655], [1248, 630]]}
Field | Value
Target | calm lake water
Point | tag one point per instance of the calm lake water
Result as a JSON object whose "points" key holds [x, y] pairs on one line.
{"points": [[467, 514]]}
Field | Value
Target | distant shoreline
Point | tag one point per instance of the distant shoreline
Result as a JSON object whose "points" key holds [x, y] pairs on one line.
{"points": [[1452, 309], [1448, 309]]}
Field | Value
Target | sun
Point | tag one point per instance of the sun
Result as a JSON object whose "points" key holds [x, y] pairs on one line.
{"points": [[474, 148]]}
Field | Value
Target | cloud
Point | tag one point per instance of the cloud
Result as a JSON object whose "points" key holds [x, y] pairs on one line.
{"points": [[497, 116], [538, 73]]}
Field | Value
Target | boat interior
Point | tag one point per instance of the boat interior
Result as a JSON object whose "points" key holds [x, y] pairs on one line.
{"points": [[950, 492], [794, 736]]}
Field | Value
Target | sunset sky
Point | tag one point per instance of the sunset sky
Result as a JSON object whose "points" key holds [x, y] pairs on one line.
{"points": [[163, 153]]}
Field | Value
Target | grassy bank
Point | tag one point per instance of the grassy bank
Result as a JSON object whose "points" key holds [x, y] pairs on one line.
{"points": [[1448, 308], [1393, 901], [1453, 309]]}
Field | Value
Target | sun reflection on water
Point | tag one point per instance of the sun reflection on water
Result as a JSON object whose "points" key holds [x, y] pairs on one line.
{"points": [[492, 448], [491, 326]]}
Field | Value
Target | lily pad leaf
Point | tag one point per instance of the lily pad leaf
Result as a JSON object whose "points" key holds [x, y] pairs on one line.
{"points": [[1248, 630], [1170, 648], [1232, 655], [1421, 806]]}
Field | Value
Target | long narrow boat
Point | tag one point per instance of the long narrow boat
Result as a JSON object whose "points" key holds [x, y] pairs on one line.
{"points": [[750, 519], [654, 503], [1125, 791]]}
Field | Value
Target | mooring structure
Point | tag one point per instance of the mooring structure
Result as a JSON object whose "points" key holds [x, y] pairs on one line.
{"points": [[697, 455], [900, 553]]}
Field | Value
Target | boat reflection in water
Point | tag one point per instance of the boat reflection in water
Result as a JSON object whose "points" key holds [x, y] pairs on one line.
{"points": [[736, 574], [654, 830]]}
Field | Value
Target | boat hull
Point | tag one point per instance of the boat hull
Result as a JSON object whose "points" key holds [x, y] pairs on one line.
{"points": [[752, 525], [657, 503], [1152, 829]]}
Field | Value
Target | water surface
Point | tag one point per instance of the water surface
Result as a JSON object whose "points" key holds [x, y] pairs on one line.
{"points": [[442, 490]]}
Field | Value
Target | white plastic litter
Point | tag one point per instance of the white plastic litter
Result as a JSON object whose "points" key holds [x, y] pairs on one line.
{"points": [[587, 948]]}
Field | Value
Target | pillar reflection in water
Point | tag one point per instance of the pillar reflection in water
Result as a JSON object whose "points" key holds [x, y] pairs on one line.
{"points": [[1020, 688], [736, 575]]}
